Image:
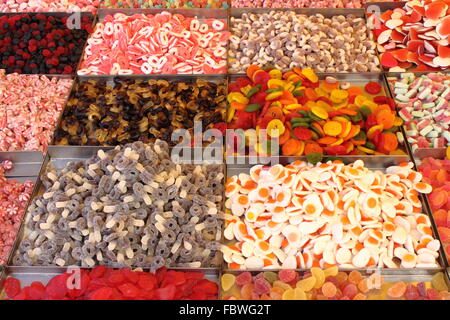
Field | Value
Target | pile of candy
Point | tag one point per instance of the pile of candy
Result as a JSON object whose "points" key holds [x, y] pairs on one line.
{"points": [[130, 110], [423, 103], [31, 106], [297, 4], [414, 36], [169, 4], [156, 44], [103, 283], [49, 5], [307, 115], [436, 173], [14, 198], [286, 40], [129, 207], [41, 44], [331, 214], [328, 284]]}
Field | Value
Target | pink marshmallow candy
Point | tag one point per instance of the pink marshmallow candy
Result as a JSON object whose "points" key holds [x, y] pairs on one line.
{"points": [[30, 106]]}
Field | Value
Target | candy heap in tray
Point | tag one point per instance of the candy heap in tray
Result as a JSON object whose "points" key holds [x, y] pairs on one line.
{"points": [[359, 150]]}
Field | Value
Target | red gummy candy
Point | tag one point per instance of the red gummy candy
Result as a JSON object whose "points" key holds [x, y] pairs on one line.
{"points": [[147, 281], [262, 286], [97, 272], [129, 290], [373, 88], [84, 283], [101, 294], [165, 293], [244, 278], [287, 275], [12, 287], [206, 286], [57, 287]]}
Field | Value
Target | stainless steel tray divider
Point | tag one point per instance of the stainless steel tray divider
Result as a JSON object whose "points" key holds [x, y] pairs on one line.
{"points": [[26, 163]]}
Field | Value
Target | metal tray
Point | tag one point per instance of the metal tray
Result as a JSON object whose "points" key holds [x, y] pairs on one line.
{"points": [[22, 179], [420, 152], [436, 154], [27, 275], [58, 157], [201, 14], [215, 78], [26, 163], [359, 79], [374, 164], [406, 277], [93, 18], [380, 8]]}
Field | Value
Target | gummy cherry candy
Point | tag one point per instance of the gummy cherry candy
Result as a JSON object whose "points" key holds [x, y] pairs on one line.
{"points": [[244, 278], [12, 287]]}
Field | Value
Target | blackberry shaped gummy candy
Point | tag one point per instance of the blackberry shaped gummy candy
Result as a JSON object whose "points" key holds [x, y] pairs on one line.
{"points": [[41, 44]]}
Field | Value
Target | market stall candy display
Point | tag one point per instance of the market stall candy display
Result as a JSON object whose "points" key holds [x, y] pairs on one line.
{"points": [[328, 284], [330, 214], [414, 37], [307, 115], [436, 173], [49, 6], [14, 197], [286, 39], [31, 107], [423, 102], [41, 44], [130, 206], [168, 4], [102, 283], [164, 43], [126, 110]]}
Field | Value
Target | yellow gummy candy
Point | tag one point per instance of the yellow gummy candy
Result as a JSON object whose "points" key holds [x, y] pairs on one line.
{"points": [[438, 282], [246, 89], [281, 284], [320, 112], [320, 277], [275, 128], [359, 100], [331, 271], [310, 74], [338, 94], [274, 95], [299, 294], [306, 284], [275, 74], [289, 294], [275, 83], [320, 92], [227, 281]]}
